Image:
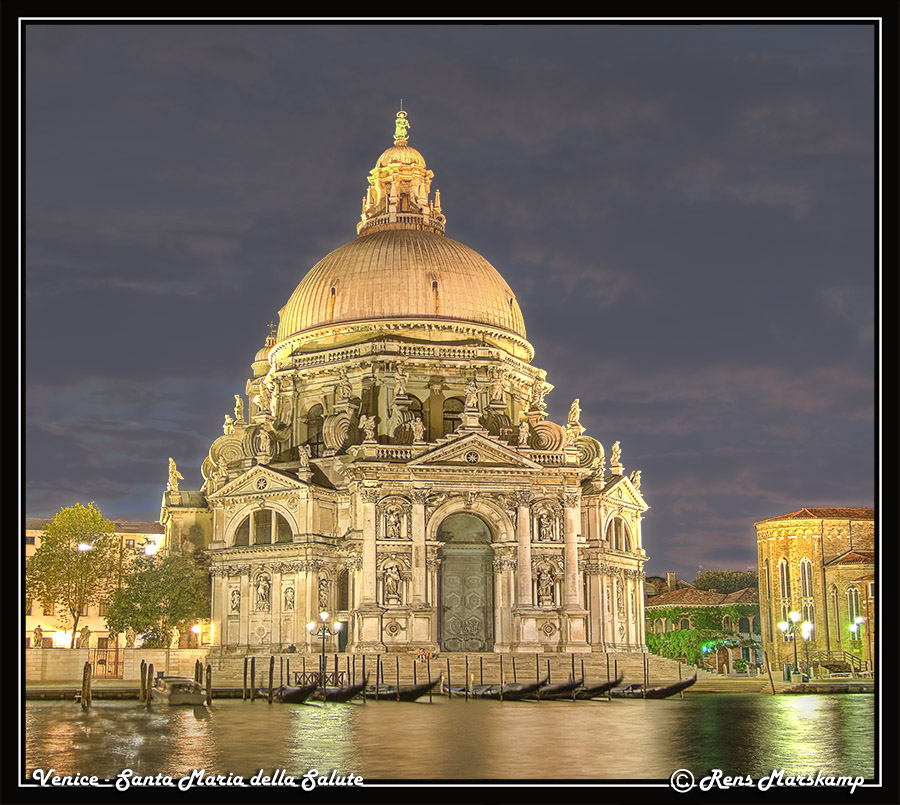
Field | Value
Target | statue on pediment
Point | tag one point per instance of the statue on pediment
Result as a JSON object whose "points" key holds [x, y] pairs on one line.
{"points": [[367, 423], [616, 454], [418, 429], [636, 479], [497, 384], [228, 427], [37, 637], [303, 453], [238, 408], [523, 433], [174, 476], [471, 396], [402, 379]]}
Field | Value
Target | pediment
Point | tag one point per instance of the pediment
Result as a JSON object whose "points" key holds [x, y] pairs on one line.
{"points": [[474, 450], [619, 488], [259, 479]]}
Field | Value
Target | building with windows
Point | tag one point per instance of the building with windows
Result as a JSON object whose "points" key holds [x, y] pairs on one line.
{"points": [[44, 623], [820, 563], [392, 463]]}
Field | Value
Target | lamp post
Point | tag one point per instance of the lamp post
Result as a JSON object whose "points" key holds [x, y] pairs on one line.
{"points": [[789, 629], [322, 631], [806, 631]]}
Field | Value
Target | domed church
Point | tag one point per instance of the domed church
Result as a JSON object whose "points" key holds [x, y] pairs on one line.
{"points": [[393, 465]]}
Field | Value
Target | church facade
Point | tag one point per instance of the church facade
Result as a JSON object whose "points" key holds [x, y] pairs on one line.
{"points": [[392, 463]]}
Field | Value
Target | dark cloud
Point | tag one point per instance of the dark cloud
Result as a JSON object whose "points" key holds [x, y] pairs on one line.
{"points": [[685, 213]]}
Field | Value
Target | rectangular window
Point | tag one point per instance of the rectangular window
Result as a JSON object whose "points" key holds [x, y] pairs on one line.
{"points": [[29, 540], [85, 610], [101, 608], [129, 543]]}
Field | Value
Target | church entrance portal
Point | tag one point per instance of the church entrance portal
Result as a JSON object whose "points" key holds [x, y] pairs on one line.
{"points": [[466, 585]]}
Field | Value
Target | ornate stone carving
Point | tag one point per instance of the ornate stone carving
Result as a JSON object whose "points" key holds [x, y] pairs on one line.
{"points": [[392, 582], [174, 476], [288, 599], [636, 479], [238, 408], [370, 494], [263, 593], [235, 601]]}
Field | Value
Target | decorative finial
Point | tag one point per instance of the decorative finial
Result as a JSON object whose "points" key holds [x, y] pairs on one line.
{"points": [[400, 131]]}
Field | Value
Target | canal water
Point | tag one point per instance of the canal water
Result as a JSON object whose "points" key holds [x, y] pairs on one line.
{"points": [[454, 739]]}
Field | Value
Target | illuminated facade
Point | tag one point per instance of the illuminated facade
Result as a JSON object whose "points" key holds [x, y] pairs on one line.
{"points": [[819, 562], [46, 625], [392, 463]]}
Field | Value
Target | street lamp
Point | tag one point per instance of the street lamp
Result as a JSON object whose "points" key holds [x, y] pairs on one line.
{"points": [[789, 629], [806, 631], [322, 631]]}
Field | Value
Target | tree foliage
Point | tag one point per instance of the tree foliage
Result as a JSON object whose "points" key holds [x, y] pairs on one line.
{"points": [[75, 565], [726, 581], [159, 595]]}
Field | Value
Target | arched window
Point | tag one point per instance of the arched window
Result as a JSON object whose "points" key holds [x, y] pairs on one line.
{"points": [[343, 591], [805, 578], [684, 623], [453, 407], [314, 431], [726, 623], [744, 625], [617, 535], [258, 528], [784, 577]]}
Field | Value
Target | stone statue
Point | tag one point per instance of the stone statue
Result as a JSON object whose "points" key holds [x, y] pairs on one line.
{"points": [[174, 476], [392, 584], [263, 586], [323, 595], [275, 401], [636, 479], [545, 589], [418, 429], [265, 442], [401, 130], [263, 398], [545, 528], [616, 454], [303, 453], [523, 433], [235, 600], [574, 414], [346, 387], [538, 391], [367, 423], [402, 380], [84, 637], [222, 470], [238, 408], [37, 637], [228, 427], [289, 599], [497, 386], [392, 524], [471, 396], [129, 638]]}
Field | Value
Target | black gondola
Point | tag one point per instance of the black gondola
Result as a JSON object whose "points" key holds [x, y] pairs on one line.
{"points": [[344, 694], [640, 692], [558, 690], [592, 691], [511, 691], [406, 693], [294, 695]]}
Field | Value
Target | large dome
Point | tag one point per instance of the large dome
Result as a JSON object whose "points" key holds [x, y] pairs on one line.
{"points": [[401, 274], [402, 268]]}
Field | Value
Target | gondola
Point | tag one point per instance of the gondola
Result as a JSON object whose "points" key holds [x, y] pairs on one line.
{"points": [[406, 693], [640, 692], [289, 694], [506, 692], [559, 690], [592, 691], [344, 694]]}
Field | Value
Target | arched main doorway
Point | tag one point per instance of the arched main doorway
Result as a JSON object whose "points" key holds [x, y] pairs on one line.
{"points": [[466, 593]]}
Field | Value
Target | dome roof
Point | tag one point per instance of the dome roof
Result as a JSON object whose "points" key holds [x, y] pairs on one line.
{"points": [[401, 266], [401, 274]]}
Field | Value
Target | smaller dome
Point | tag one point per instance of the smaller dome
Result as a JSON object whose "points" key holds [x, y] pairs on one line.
{"points": [[400, 155]]}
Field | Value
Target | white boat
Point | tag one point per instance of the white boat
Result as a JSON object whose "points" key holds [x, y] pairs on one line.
{"points": [[177, 690]]}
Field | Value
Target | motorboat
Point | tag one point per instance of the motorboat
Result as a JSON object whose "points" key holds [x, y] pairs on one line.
{"points": [[177, 690]]}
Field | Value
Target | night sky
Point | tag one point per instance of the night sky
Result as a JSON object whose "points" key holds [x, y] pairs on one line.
{"points": [[686, 213]]}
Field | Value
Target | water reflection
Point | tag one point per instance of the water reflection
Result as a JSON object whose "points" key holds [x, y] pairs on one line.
{"points": [[447, 740]]}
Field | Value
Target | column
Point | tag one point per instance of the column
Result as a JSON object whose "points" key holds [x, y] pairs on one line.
{"points": [[571, 509], [369, 496], [523, 554], [418, 547]]}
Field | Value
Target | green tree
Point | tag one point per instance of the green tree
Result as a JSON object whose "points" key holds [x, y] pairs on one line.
{"points": [[158, 595], [726, 581], [75, 565]]}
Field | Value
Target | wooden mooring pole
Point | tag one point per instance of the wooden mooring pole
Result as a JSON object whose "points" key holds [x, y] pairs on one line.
{"points": [[86, 686], [252, 679], [208, 685], [449, 694], [514, 669], [244, 688], [149, 684], [143, 694], [428, 668], [466, 683], [397, 658], [271, 676]]}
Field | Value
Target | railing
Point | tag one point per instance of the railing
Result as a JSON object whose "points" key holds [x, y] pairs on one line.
{"points": [[334, 678], [394, 453], [824, 657], [548, 459]]}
